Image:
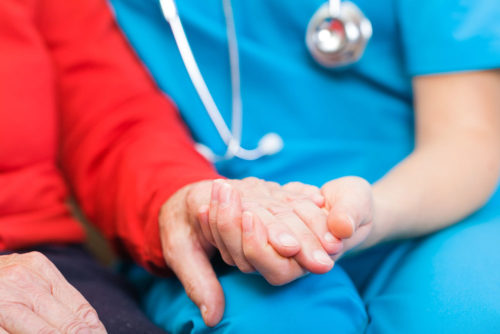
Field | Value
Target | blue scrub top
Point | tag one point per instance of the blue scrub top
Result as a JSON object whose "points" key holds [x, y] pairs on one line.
{"points": [[354, 121]]}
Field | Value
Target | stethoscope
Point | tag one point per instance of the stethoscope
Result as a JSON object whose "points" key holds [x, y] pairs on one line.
{"points": [[336, 36]]}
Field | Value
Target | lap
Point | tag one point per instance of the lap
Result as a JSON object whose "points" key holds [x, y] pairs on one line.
{"points": [[447, 282], [312, 304]]}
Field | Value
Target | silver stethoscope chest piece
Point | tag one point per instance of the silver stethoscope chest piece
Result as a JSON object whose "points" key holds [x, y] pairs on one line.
{"points": [[337, 34]]}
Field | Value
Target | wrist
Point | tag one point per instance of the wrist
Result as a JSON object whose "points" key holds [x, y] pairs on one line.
{"points": [[383, 220]]}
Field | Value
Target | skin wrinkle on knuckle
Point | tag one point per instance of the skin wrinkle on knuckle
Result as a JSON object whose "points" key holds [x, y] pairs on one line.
{"points": [[246, 268], [250, 252], [73, 326], [225, 226], [13, 272], [227, 259], [35, 258], [279, 279], [38, 302], [85, 311], [19, 275], [9, 259], [48, 330]]}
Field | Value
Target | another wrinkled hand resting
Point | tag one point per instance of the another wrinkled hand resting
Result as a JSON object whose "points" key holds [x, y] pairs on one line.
{"points": [[35, 298]]}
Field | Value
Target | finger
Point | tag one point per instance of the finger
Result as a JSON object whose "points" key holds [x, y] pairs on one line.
{"points": [[220, 191], [19, 319], [316, 219], [185, 256], [351, 207], [280, 236], [309, 191], [312, 255], [277, 270], [57, 314], [62, 291], [3, 331], [229, 228], [341, 224], [203, 214]]}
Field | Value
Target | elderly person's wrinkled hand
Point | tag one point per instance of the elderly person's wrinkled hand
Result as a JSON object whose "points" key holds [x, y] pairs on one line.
{"points": [[36, 298], [281, 232], [256, 225]]}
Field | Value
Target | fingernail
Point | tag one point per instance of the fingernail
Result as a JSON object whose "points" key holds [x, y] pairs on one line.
{"points": [[247, 223], [225, 194], [329, 237], [288, 240], [204, 311], [319, 198], [349, 218], [322, 257]]}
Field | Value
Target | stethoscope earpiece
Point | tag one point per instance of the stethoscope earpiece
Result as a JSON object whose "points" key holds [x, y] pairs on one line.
{"points": [[270, 144], [337, 34]]}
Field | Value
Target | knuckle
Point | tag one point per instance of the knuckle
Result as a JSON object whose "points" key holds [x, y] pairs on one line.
{"points": [[310, 189], [251, 180], [87, 312], [17, 274], [245, 268], [9, 258], [35, 258], [73, 326], [251, 252], [224, 226], [278, 279], [273, 185], [47, 330], [293, 184], [38, 302], [227, 258]]}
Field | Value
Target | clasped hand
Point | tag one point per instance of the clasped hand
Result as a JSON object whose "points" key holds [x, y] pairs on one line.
{"points": [[282, 232]]}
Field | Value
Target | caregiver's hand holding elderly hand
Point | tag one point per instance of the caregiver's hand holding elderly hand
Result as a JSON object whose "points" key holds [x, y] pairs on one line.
{"points": [[279, 231]]}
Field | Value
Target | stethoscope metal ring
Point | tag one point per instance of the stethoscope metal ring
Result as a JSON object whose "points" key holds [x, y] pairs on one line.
{"points": [[338, 39]]}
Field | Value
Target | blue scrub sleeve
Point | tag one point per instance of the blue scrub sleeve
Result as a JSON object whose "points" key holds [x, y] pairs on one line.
{"points": [[450, 35]]}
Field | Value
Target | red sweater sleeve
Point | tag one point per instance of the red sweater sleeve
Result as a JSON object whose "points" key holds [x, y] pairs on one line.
{"points": [[124, 148]]}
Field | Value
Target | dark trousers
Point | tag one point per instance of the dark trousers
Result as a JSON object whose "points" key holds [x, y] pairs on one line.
{"points": [[111, 296]]}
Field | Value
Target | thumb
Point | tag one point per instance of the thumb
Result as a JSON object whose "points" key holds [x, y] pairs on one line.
{"points": [[349, 203], [187, 258]]}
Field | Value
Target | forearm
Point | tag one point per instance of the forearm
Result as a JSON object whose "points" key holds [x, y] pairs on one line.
{"points": [[436, 186], [124, 149]]}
